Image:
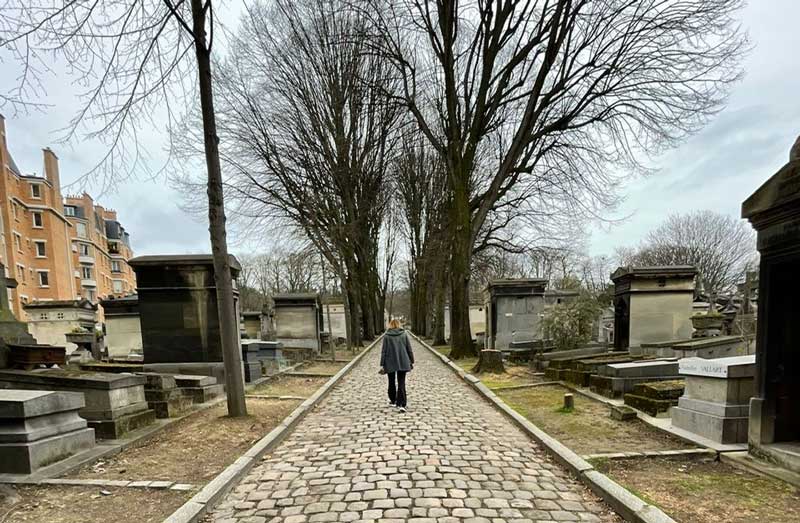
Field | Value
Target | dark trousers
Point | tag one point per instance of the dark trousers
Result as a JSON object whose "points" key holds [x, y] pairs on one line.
{"points": [[397, 394]]}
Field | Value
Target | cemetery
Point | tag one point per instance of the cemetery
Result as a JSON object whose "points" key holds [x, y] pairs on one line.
{"points": [[423, 262]]}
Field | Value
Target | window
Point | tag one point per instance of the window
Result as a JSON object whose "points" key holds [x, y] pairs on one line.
{"points": [[69, 211], [41, 250], [117, 286], [81, 228], [36, 191], [86, 273], [44, 278], [91, 295], [18, 242], [15, 210], [38, 220], [84, 249], [115, 266]]}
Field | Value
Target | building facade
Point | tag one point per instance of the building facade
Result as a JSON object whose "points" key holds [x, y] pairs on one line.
{"points": [[55, 249]]}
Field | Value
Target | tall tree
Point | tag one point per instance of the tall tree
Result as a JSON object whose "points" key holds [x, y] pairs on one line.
{"points": [[134, 56], [537, 101], [309, 136]]}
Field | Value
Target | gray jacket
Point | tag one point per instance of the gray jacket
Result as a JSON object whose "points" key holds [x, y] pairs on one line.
{"points": [[396, 352]]}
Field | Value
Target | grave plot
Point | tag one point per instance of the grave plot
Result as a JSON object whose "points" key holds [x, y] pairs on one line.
{"points": [[588, 428], [705, 491]]}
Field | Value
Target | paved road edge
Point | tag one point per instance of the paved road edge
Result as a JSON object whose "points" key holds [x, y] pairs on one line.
{"points": [[197, 506], [623, 501]]}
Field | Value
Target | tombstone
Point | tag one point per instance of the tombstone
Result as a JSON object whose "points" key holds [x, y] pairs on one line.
{"points": [[39, 428], [178, 307], [251, 362], [163, 395], [652, 304], [11, 330], [55, 322], [298, 322], [477, 320], [715, 401], [115, 403], [514, 309], [123, 327], [251, 324], [774, 211]]}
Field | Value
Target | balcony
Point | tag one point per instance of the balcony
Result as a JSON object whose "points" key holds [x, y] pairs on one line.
{"points": [[88, 260], [88, 283]]}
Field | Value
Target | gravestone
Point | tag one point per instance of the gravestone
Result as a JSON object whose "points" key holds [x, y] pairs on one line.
{"points": [[11, 330], [200, 389], [163, 395], [774, 211], [514, 310], [715, 402], [178, 308], [298, 323], [251, 362], [39, 428], [616, 379], [114, 403], [652, 304]]}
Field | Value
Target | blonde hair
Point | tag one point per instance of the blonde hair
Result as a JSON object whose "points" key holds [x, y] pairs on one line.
{"points": [[394, 323]]}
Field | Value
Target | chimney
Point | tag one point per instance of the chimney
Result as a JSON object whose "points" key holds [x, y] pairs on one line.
{"points": [[51, 171]]}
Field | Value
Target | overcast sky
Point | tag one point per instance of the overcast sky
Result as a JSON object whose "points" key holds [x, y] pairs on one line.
{"points": [[716, 169]]}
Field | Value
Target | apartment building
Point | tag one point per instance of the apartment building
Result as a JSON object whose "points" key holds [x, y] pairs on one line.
{"points": [[57, 249]]}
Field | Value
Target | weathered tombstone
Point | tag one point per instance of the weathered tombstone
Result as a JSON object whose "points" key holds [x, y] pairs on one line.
{"points": [[652, 304], [123, 327], [715, 401], [11, 330], [39, 428], [514, 309], [298, 323], [774, 211], [178, 307]]}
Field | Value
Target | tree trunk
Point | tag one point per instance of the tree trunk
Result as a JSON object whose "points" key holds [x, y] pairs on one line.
{"points": [[438, 304], [228, 324], [460, 265]]}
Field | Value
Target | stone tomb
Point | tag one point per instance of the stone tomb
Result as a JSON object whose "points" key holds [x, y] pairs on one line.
{"points": [[200, 389], [251, 362], [114, 403], [716, 347], [163, 395], [514, 310], [715, 401], [39, 428], [616, 379], [298, 323], [774, 211], [652, 304]]}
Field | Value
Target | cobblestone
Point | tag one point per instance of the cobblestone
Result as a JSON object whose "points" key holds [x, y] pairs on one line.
{"points": [[451, 458]]}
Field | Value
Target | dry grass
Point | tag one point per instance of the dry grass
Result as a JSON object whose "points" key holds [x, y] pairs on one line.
{"points": [[704, 491], [588, 429]]}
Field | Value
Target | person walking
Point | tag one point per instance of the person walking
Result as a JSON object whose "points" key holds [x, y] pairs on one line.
{"points": [[396, 360]]}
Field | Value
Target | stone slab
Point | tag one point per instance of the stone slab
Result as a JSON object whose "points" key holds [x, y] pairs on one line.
{"points": [[203, 394], [71, 379], [637, 369], [118, 427], [16, 430], [188, 380], [157, 380], [715, 409], [17, 403], [716, 428], [732, 367], [27, 457]]}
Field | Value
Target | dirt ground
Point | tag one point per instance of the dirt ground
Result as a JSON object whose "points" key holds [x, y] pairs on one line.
{"points": [[85, 504], [289, 386], [704, 491], [588, 429], [195, 449]]}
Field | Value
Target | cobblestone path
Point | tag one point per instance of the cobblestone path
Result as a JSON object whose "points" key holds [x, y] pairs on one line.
{"points": [[450, 458]]}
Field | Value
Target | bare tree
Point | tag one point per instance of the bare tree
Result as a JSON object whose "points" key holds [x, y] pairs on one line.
{"points": [[134, 55], [535, 101], [309, 137], [722, 247]]}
